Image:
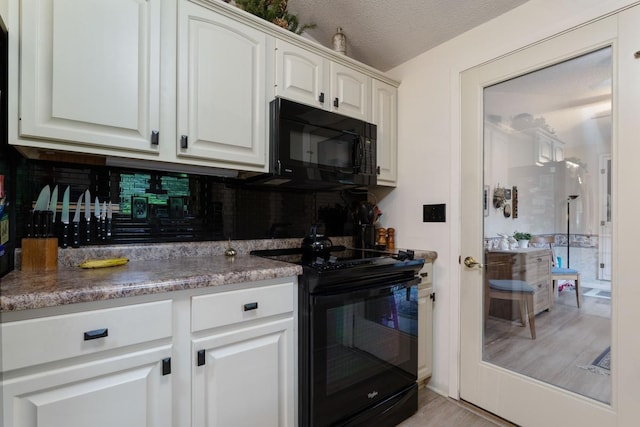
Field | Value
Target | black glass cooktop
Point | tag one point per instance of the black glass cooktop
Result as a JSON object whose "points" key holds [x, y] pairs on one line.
{"points": [[342, 264]]}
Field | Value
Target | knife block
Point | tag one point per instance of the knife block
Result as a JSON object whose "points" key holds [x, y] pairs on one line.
{"points": [[39, 254]]}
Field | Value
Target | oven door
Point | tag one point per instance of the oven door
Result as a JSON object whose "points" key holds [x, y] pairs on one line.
{"points": [[364, 348]]}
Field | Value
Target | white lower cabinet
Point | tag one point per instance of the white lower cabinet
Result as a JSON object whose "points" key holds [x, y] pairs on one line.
{"points": [[426, 297], [126, 391], [220, 356], [242, 348], [244, 377], [99, 368]]}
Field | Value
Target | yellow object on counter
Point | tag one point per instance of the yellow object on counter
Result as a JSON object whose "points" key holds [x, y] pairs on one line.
{"points": [[101, 263]]}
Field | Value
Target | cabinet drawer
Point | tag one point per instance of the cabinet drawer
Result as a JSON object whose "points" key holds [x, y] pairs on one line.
{"points": [[35, 341], [227, 308]]}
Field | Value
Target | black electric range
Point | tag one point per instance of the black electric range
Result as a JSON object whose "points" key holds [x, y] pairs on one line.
{"points": [[357, 335]]}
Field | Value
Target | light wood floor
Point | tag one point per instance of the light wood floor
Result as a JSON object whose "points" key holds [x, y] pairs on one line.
{"points": [[435, 410], [568, 339]]}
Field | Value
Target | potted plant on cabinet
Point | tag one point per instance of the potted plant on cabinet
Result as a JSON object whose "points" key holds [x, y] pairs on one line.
{"points": [[522, 238]]}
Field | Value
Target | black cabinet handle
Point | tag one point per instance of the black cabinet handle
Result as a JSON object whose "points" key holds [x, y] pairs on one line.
{"points": [[184, 139], [95, 334], [251, 306], [201, 360], [321, 98], [336, 102], [155, 137], [166, 366]]}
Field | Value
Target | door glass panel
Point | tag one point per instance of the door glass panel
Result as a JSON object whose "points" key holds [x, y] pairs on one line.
{"points": [[547, 171]]}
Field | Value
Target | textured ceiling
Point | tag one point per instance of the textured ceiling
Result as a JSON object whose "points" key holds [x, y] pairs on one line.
{"points": [[386, 33]]}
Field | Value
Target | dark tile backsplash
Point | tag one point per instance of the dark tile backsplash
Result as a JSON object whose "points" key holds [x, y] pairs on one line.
{"points": [[183, 207]]}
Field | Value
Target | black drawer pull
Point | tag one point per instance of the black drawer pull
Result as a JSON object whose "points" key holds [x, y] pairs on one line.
{"points": [[201, 360], [251, 306], [95, 334]]}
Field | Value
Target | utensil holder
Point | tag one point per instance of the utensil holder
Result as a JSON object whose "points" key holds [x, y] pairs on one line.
{"points": [[39, 254]]}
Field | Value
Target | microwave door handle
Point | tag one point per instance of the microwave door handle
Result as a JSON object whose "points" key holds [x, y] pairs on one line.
{"points": [[358, 154]]}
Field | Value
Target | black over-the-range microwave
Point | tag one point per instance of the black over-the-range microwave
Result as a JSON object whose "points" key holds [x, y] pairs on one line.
{"points": [[311, 148]]}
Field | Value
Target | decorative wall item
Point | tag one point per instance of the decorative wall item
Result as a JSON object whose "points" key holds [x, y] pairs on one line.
{"points": [[514, 202], [499, 197], [485, 200], [339, 42]]}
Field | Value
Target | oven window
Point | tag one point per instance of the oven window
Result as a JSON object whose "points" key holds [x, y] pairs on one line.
{"points": [[369, 336]]}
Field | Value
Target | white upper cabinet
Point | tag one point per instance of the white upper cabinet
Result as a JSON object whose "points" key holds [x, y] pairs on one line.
{"points": [[89, 72], [350, 92], [182, 83], [222, 103], [385, 117], [300, 74], [312, 79]]}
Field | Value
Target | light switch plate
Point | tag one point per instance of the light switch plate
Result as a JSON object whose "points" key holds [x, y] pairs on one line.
{"points": [[434, 213]]}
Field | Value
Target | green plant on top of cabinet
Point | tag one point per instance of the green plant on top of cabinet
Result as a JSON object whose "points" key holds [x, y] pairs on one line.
{"points": [[89, 74], [313, 79]]}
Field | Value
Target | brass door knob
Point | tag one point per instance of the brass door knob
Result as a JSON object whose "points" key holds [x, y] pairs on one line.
{"points": [[470, 262]]}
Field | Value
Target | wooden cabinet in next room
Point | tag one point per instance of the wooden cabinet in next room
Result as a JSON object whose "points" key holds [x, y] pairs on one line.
{"points": [[533, 265]]}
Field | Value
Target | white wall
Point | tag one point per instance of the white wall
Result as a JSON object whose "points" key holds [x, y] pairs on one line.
{"points": [[429, 148]]}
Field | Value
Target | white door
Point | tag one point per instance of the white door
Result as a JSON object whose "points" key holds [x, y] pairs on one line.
{"points": [[513, 395]]}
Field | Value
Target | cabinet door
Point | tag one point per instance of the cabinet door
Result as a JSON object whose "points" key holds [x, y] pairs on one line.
{"points": [[300, 75], [89, 72], [127, 391], [221, 90], [351, 92], [245, 377], [385, 117], [425, 332]]}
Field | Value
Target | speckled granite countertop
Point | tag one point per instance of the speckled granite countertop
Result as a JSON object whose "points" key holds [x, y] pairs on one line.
{"points": [[152, 269]]}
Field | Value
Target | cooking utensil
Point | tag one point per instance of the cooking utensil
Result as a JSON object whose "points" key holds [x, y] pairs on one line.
{"points": [[103, 220], [64, 218], [47, 218], [42, 204], [108, 221], [87, 215], [76, 223], [364, 213]]}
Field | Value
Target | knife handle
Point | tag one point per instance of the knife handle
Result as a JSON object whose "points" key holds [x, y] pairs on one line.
{"points": [[88, 233], [46, 224], [102, 230], [35, 229], [76, 235], [64, 242], [107, 227], [30, 225]]}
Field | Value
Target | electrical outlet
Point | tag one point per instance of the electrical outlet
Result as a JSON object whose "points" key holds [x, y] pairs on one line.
{"points": [[139, 207]]}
